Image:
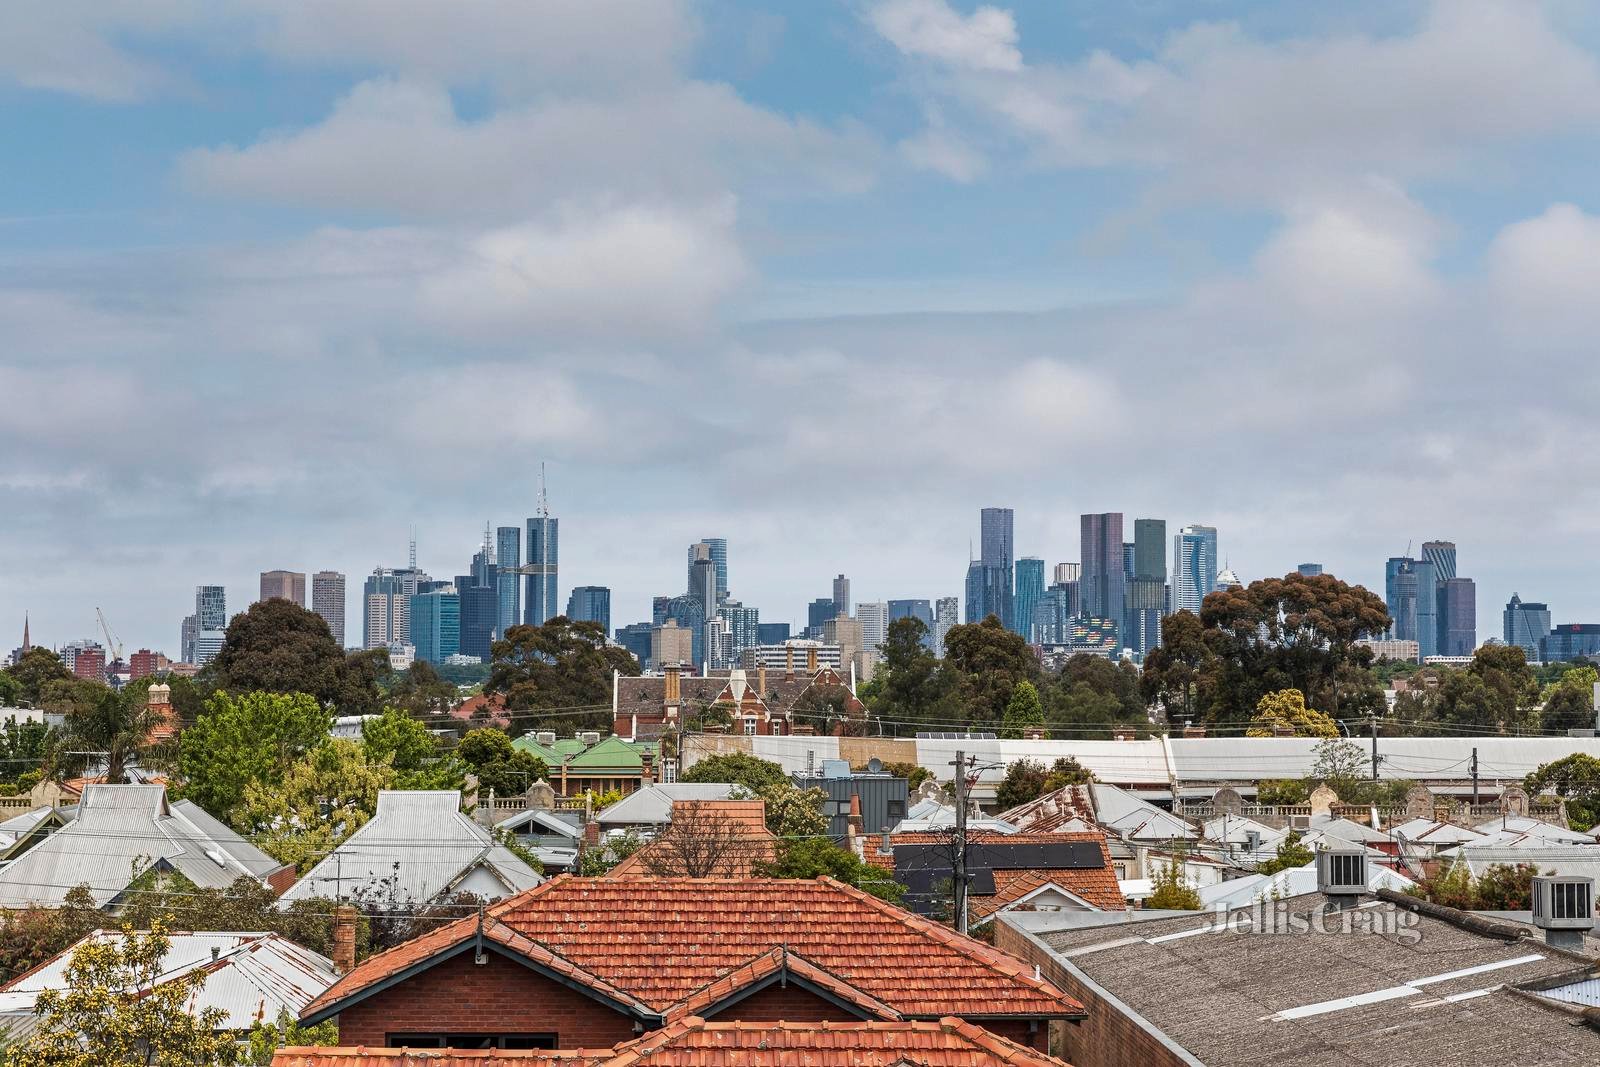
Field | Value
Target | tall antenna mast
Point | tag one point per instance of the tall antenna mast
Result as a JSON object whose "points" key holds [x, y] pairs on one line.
{"points": [[488, 543], [544, 500], [413, 548]]}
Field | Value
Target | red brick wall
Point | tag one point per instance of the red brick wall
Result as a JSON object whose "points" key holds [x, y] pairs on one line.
{"points": [[280, 882], [777, 1004], [1107, 1038], [1018, 1031], [502, 996]]}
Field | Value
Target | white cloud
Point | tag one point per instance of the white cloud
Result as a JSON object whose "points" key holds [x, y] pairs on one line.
{"points": [[984, 40], [1547, 270]]}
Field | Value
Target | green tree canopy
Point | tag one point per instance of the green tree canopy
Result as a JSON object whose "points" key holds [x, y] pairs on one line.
{"points": [[277, 646], [255, 737], [37, 668], [909, 687], [1577, 779], [399, 740], [795, 813], [1291, 854], [1022, 711], [1569, 708], [1497, 691], [986, 661], [814, 857], [324, 797], [1178, 674], [1287, 707], [498, 764], [754, 774], [421, 691], [1170, 891], [117, 726], [561, 665]]}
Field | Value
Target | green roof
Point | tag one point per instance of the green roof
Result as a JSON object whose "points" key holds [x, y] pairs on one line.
{"points": [[610, 752]]}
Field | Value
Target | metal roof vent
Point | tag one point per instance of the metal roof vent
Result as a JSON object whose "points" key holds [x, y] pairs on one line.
{"points": [[1342, 875], [1563, 907]]}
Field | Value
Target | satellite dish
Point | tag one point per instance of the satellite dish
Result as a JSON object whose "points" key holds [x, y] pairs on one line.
{"points": [[874, 765]]}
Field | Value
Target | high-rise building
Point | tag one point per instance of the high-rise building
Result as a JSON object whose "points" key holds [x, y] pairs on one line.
{"points": [[211, 607], [328, 600], [845, 632], [744, 628], [1103, 584], [539, 603], [1526, 624], [716, 550], [1054, 615], [284, 585], [207, 646], [435, 625], [946, 615], [922, 611], [1150, 549], [990, 580], [635, 637], [1194, 567], [1309, 570], [1442, 554], [818, 612], [1458, 616], [671, 644], [874, 619], [1066, 572], [841, 595], [1412, 597], [205, 630], [186, 639], [1026, 594], [590, 603], [689, 613], [385, 605], [1569, 640], [507, 559], [479, 604], [145, 663], [1427, 607], [85, 659], [1145, 596], [772, 633]]}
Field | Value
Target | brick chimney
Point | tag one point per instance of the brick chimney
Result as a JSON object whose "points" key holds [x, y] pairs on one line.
{"points": [[1033, 733], [761, 682], [1121, 734], [788, 659], [811, 660], [1191, 730], [591, 834], [647, 768], [853, 821], [672, 693], [344, 938]]}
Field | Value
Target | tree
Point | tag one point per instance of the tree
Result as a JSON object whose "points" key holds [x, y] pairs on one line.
{"points": [[327, 795], [1287, 707], [1024, 781], [277, 646], [112, 1012], [1342, 765], [1169, 890], [1283, 792], [909, 686], [399, 740], [794, 813], [818, 856], [255, 737], [1065, 771], [1497, 691], [247, 904], [116, 726], [561, 664], [1022, 711], [1577, 779], [265, 1039], [701, 842], [1569, 708], [10, 690], [421, 691], [498, 764], [32, 935], [753, 773], [1291, 855], [596, 860], [1501, 887], [824, 707], [1174, 672], [37, 668], [986, 661]]}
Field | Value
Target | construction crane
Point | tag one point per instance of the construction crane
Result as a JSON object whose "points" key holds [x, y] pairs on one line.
{"points": [[113, 645]]}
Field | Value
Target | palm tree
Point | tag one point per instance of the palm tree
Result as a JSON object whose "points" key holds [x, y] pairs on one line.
{"points": [[107, 736]]}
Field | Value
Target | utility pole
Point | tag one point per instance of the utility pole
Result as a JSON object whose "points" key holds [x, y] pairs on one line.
{"points": [[1372, 720], [1474, 776], [960, 879]]}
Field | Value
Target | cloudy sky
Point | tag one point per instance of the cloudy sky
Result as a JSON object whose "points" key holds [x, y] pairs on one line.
{"points": [[280, 281]]}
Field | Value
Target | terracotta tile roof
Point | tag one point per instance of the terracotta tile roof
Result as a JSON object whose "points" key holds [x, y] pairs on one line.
{"points": [[1053, 810], [770, 963], [1096, 885], [747, 819], [694, 1042], [661, 940]]}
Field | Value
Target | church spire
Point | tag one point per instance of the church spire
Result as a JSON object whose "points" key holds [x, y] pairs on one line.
{"points": [[26, 642]]}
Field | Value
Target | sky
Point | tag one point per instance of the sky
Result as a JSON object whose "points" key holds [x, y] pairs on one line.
{"points": [[281, 282]]}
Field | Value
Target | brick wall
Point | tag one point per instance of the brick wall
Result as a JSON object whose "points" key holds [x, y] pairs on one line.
{"points": [[778, 1004], [1027, 1034], [1107, 1038], [280, 882], [502, 996]]}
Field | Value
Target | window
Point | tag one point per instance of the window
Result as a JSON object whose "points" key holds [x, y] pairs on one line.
{"points": [[669, 771], [897, 809], [750, 727], [471, 1040]]}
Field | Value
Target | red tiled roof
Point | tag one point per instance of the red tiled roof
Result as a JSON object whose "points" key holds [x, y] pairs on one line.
{"points": [[769, 963], [694, 1042], [1096, 885], [1053, 810], [755, 844], [661, 940]]}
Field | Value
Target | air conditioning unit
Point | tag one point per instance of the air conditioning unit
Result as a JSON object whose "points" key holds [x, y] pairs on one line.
{"points": [[1341, 872], [1563, 902], [589, 737], [545, 737], [1299, 822]]}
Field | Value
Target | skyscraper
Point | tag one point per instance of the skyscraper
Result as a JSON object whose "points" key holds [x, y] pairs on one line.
{"points": [[1146, 593], [1442, 554], [1027, 592], [1458, 616], [1194, 567], [479, 602], [818, 612], [874, 619], [508, 558], [590, 603], [1400, 597], [284, 585], [328, 600], [435, 624], [772, 633], [689, 613], [539, 603], [386, 609], [1526, 624], [990, 581], [211, 607], [1309, 570], [841, 595], [946, 614], [744, 628], [715, 549], [1066, 572], [922, 611], [703, 588], [1427, 607], [1103, 584], [635, 637]]}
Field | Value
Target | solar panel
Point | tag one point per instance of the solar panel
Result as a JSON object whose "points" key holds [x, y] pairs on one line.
{"points": [[926, 870]]}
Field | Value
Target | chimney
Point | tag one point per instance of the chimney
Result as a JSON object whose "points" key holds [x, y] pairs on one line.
{"points": [[761, 682], [1283, 730], [1563, 907], [811, 660], [854, 818], [647, 768], [788, 658], [591, 834], [1121, 734], [672, 693], [886, 843], [1191, 730], [344, 938], [1033, 733]]}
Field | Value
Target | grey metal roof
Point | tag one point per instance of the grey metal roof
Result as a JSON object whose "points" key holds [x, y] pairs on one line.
{"points": [[122, 831], [418, 847], [257, 975], [1237, 997], [652, 805], [535, 822]]}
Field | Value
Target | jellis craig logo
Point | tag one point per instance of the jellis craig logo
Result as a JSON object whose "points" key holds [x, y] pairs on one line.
{"points": [[1277, 917]]}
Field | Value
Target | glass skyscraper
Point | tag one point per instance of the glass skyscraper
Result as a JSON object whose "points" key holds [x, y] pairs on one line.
{"points": [[543, 555], [1103, 582], [915, 609], [1410, 592], [1526, 624], [1029, 591], [990, 589], [1458, 616], [435, 625], [1442, 554], [1194, 567], [590, 603], [508, 557], [211, 607], [716, 549]]}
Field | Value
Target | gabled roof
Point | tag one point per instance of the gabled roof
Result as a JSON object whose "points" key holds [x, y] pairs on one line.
{"points": [[634, 934], [417, 847], [778, 964], [651, 805], [694, 1042], [746, 841], [121, 832], [252, 977]]}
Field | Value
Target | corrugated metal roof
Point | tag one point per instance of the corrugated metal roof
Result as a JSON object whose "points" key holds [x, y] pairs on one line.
{"points": [[122, 831], [417, 847], [1586, 993], [652, 804]]}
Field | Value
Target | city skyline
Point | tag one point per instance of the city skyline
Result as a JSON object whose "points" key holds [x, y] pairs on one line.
{"points": [[1321, 313]]}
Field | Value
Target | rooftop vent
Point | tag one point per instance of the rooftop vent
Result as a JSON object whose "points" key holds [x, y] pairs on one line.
{"points": [[1563, 907], [1342, 875], [545, 737]]}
